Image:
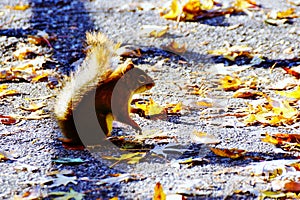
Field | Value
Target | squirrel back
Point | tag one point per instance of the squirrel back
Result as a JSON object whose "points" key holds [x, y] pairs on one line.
{"points": [[99, 81]]}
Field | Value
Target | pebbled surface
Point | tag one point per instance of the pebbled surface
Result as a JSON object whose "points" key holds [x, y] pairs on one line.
{"points": [[34, 142]]}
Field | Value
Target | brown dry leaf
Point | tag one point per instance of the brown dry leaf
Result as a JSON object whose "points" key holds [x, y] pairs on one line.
{"points": [[282, 138], [159, 193], [231, 53], [287, 142], [228, 153], [21, 7], [247, 94], [230, 83], [241, 5], [34, 106], [175, 47], [294, 71], [8, 120]]}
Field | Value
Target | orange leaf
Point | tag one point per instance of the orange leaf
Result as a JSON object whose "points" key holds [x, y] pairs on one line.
{"points": [[292, 186], [228, 153], [292, 71], [159, 192], [7, 120]]}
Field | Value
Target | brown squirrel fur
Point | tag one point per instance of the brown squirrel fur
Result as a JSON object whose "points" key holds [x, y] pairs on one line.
{"points": [[101, 82]]}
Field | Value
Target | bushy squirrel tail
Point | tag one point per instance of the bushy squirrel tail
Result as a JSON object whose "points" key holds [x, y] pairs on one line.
{"points": [[101, 60]]}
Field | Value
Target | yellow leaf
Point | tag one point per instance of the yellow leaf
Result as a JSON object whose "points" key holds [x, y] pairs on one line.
{"points": [[39, 77], [19, 7], [177, 108], [150, 108], [289, 13], [159, 192], [269, 139], [240, 5], [231, 83], [175, 12], [155, 31], [292, 94], [207, 4], [4, 92], [231, 53]]}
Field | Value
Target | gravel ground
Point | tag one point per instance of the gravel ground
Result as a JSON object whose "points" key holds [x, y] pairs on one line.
{"points": [[32, 145]]}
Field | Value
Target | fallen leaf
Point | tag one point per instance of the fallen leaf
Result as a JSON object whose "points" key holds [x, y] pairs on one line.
{"points": [[231, 53], [247, 94], [24, 51], [292, 94], [154, 31], [130, 158], [63, 180], [286, 14], [175, 47], [34, 106], [21, 7], [3, 157], [228, 153], [8, 120], [68, 161], [175, 10], [67, 195], [159, 193], [292, 187], [171, 147], [294, 71], [230, 83], [271, 194], [150, 108], [118, 178], [204, 138], [241, 5]]}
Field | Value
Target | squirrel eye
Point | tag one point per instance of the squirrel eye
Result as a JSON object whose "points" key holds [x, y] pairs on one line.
{"points": [[142, 79]]}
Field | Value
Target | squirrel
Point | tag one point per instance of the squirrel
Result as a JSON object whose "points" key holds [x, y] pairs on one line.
{"points": [[101, 88]]}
